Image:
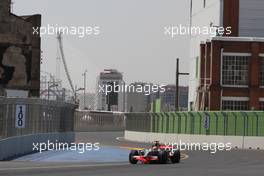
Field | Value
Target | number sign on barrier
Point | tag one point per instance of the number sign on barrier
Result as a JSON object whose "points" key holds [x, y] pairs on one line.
{"points": [[207, 122], [20, 116]]}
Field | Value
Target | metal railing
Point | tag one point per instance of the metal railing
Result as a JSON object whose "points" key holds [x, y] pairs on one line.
{"points": [[85, 121], [250, 123], [21, 116]]}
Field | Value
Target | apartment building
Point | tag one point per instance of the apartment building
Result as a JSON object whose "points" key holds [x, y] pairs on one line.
{"points": [[229, 68]]}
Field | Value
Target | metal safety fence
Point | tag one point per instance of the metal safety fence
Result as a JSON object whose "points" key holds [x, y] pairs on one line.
{"points": [[200, 123], [85, 121], [22, 116]]}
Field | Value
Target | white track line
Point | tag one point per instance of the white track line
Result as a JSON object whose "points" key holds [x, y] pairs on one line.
{"points": [[119, 138]]}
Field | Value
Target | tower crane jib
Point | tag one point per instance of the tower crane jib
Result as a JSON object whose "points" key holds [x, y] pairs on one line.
{"points": [[64, 62]]}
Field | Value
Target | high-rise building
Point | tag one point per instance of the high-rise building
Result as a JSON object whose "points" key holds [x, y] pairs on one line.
{"points": [[114, 100], [228, 72]]}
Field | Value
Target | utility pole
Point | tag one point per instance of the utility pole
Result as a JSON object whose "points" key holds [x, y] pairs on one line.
{"points": [[84, 90], [177, 85]]}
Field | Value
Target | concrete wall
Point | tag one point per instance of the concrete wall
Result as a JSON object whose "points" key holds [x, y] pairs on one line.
{"points": [[21, 145], [240, 142]]}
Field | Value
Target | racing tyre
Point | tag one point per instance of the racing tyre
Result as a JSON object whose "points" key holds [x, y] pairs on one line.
{"points": [[133, 153], [176, 157], [163, 157]]}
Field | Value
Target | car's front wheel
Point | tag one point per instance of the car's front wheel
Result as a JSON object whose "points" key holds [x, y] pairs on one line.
{"points": [[133, 153], [176, 157]]}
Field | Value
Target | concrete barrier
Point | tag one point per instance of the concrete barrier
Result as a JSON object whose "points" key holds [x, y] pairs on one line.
{"points": [[13, 147], [254, 142], [241, 142]]}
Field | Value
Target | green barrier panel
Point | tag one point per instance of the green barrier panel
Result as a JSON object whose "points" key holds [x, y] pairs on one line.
{"points": [[156, 122], [220, 124], [260, 123], [163, 125], [245, 118], [191, 121], [151, 122], [170, 122], [188, 124], [197, 123], [177, 125], [252, 124], [166, 123], [213, 123], [183, 123], [160, 122], [173, 122], [231, 124], [239, 124]]}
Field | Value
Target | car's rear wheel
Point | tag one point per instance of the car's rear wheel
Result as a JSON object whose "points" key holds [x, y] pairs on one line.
{"points": [[133, 153], [163, 157], [176, 157]]}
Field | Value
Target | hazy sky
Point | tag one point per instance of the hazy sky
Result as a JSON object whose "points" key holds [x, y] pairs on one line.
{"points": [[132, 37]]}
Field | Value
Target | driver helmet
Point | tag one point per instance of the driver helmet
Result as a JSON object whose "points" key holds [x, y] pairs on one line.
{"points": [[156, 144]]}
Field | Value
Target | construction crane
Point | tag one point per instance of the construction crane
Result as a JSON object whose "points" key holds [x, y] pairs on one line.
{"points": [[59, 37]]}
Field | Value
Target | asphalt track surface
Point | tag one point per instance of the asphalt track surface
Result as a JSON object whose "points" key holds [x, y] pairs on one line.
{"points": [[233, 163]]}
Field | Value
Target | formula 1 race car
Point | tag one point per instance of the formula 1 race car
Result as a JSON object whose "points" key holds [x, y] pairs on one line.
{"points": [[157, 154]]}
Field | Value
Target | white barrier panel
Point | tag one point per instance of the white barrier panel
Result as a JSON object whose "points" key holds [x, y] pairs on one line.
{"points": [[254, 143], [248, 142]]}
